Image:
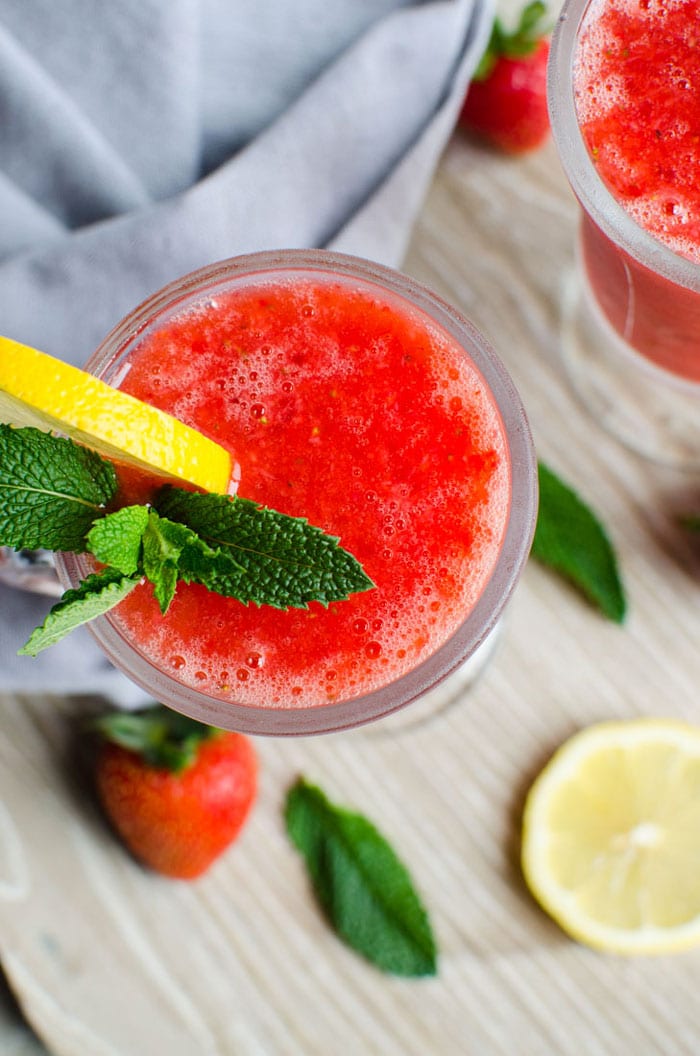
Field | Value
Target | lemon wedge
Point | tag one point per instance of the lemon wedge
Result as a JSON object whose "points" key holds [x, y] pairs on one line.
{"points": [[37, 389], [611, 836]]}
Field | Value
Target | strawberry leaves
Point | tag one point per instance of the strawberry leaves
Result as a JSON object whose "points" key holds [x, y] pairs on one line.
{"points": [[506, 103], [162, 737], [516, 43]]}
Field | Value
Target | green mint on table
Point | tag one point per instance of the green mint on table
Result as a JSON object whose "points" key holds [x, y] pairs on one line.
{"points": [[364, 890], [95, 595], [570, 539], [54, 496], [51, 490], [262, 556]]}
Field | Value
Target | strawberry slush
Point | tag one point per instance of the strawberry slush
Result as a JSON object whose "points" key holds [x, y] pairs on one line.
{"points": [[342, 403], [636, 73]]}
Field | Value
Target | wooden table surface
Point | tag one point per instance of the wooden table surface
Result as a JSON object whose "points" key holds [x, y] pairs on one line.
{"points": [[107, 960]]}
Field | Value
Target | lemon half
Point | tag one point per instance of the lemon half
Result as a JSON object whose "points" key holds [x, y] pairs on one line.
{"points": [[37, 389], [611, 836]]}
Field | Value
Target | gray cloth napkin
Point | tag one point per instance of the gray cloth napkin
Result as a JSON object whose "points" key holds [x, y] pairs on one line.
{"points": [[145, 138]]}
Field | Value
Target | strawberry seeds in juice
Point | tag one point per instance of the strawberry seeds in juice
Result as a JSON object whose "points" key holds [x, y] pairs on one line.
{"points": [[343, 403], [636, 86]]}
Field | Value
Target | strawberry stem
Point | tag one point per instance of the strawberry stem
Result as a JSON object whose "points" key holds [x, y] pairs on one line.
{"points": [[516, 43], [162, 737]]}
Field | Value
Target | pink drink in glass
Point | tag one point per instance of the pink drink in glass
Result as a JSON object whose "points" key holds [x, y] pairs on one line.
{"points": [[351, 397], [637, 89], [625, 117]]}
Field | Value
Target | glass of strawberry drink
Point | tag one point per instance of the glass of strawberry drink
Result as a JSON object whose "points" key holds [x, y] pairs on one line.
{"points": [[352, 396], [624, 117]]}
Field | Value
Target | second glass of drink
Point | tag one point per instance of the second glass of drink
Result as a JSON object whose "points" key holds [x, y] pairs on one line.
{"points": [[624, 118]]}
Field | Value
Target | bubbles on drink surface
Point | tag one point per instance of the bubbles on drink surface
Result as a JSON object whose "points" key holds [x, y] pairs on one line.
{"points": [[636, 78]]}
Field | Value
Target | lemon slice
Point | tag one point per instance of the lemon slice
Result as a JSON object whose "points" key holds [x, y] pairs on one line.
{"points": [[37, 389], [611, 836]]}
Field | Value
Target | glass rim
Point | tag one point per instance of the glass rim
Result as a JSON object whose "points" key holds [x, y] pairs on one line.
{"points": [[593, 196], [475, 628]]}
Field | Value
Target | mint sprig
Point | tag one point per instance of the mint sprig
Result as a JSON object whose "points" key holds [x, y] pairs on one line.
{"points": [[260, 555], [54, 496], [570, 539], [365, 891], [51, 490]]}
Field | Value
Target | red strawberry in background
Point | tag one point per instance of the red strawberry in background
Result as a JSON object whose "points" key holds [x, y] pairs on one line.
{"points": [[507, 100], [176, 791]]}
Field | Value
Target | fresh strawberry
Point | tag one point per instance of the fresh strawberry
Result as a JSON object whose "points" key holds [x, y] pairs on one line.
{"points": [[175, 790], [507, 100]]}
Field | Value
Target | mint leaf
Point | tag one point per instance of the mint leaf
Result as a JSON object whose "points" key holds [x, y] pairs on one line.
{"points": [[51, 490], [163, 544], [115, 540], [363, 888], [95, 595], [570, 539], [261, 556]]}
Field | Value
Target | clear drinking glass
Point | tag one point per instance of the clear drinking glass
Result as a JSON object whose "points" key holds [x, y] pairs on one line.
{"points": [[472, 636], [631, 314]]}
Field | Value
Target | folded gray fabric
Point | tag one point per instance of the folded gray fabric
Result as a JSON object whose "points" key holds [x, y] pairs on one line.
{"points": [[143, 139]]}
